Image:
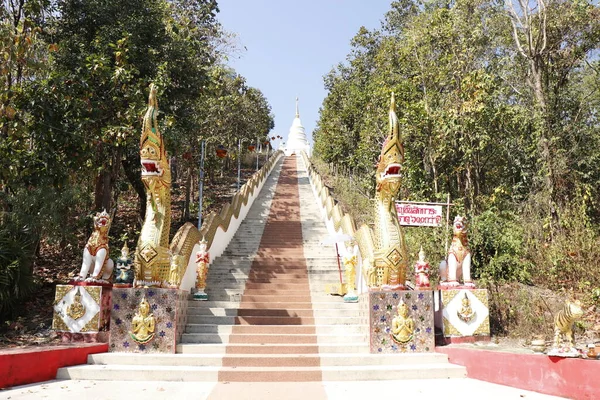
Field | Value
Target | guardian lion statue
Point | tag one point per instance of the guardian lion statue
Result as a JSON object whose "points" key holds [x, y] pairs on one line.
{"points": [[96, 252], [458, 263]]}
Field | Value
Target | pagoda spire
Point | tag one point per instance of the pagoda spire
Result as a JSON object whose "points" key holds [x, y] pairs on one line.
{"points": [[297, 112]]}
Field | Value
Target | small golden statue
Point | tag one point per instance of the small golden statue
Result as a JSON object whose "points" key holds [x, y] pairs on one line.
{"points": [[174, 275], [403, 326], [466, 313], [202, 262], [76, 309], [142, 324], [370, 272], [350, 261]]}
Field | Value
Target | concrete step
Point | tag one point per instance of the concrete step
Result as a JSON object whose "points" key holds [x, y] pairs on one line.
{"points": [[227, 278], [281, 271], [232, 295], [270, 338], [261, 374], [233, 312], [217, 360], [281, 259], [273, 348], [331, 303], [316, 294], [280, 329], [229, 282], [271, 320], [275, 291]]}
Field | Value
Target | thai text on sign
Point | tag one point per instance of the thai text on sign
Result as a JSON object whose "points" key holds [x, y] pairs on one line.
{"points": [[419, 214]]}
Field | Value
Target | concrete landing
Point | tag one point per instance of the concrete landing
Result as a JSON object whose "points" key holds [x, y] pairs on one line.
{"points": [[447, 389]]}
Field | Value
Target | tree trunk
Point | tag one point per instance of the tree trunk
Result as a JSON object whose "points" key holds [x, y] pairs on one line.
{"points": [[174, 176], [135, 179], [103, 193]]}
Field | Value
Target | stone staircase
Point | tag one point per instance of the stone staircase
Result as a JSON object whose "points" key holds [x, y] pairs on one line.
{"points": [[268, 318]]}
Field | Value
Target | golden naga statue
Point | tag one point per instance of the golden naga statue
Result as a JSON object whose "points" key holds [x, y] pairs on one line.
{"points": [[383, 250], [403, 326], [153, 257], [143, 324]]}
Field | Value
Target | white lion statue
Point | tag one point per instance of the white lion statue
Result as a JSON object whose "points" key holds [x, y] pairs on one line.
{"points": [[458, 263], [96, 252]]}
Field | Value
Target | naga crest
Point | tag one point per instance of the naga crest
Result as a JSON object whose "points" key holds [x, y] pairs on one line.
{"points": [[102, 222], [153, 157], [389, 167]]}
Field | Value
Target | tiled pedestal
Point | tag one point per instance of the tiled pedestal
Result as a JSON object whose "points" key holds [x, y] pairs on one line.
{"points": [[82, 312], [168, 307], [464, 315], [383, 308]]}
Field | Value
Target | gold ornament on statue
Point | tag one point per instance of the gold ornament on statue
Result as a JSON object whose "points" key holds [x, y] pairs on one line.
{"points": [[143, 324], [466, 313]]}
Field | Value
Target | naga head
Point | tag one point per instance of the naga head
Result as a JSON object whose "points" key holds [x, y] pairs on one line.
{"points": [[153, 156], [102, 221], [389, 168]]}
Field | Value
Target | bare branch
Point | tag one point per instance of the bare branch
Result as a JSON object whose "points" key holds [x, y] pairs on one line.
{"points": [[517, 91], [544, 26], [515, 20]]}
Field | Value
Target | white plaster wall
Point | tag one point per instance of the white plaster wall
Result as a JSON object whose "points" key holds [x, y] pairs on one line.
{"points": [[222, 238]]}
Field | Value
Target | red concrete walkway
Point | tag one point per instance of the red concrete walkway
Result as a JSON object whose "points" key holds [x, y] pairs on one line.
{"points": [[275, 321]]}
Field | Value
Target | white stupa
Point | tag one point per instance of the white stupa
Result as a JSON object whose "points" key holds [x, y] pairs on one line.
{"points": [[296, 138]]}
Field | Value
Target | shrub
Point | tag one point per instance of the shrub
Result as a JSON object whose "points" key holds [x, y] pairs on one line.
{"points": [[17, 251], [498, 248]]}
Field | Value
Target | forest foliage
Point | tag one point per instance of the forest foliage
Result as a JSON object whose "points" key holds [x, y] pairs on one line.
{"points": [[73, 88], [499, 107]]}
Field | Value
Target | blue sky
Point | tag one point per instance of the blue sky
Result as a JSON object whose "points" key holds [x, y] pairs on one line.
{"points": [[292, 44]]}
